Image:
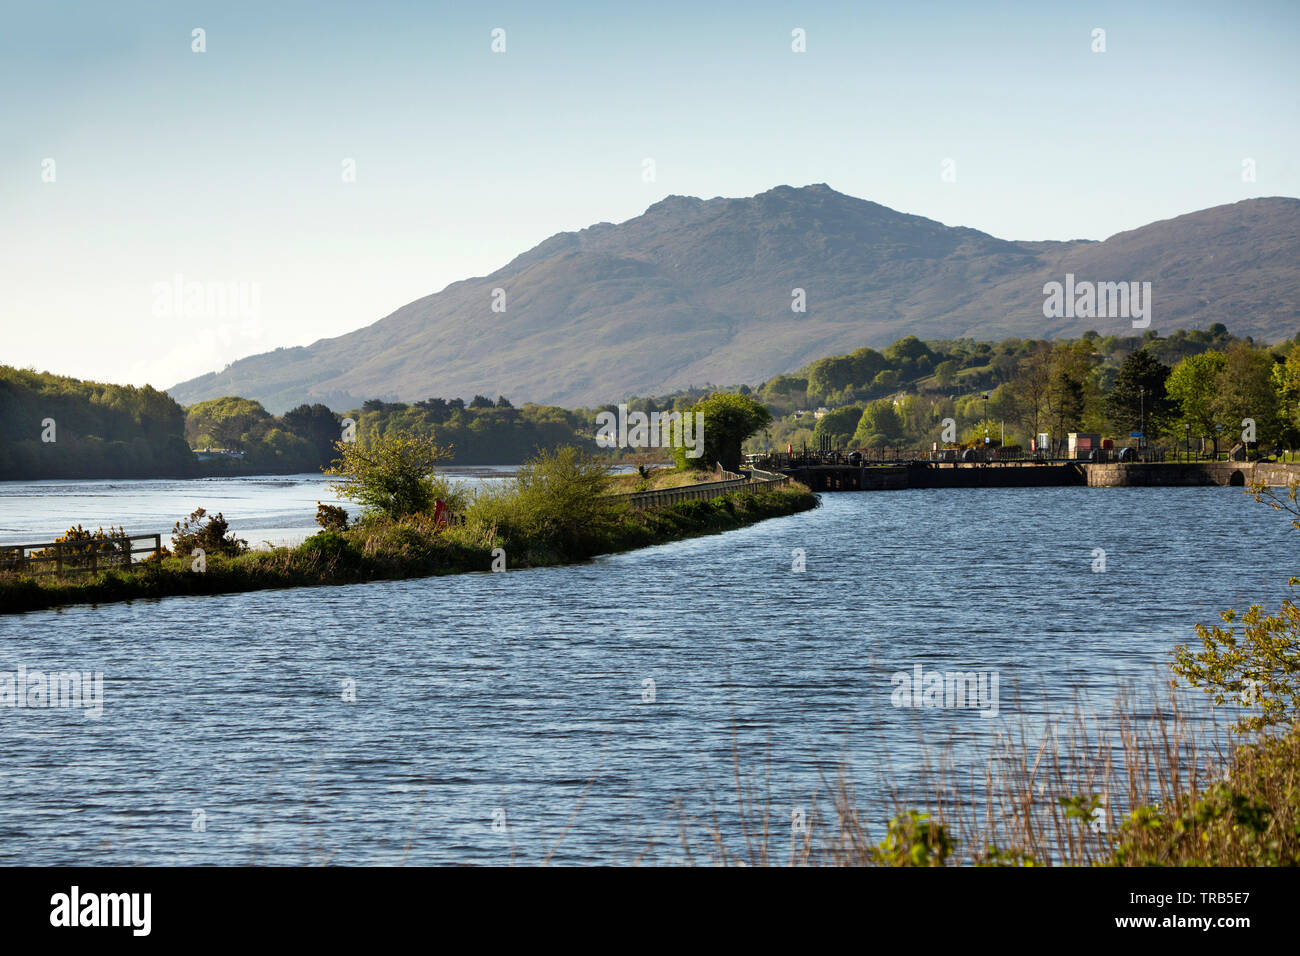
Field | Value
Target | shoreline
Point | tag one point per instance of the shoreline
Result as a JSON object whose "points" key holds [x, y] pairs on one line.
{"points": [[332, 559]]}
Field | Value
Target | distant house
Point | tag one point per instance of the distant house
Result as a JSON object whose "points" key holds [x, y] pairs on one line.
{"points": [[800, 412], [211, 454], [821, 412]]}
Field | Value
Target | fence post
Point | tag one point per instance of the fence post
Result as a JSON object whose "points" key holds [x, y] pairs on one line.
{"points": [[157, 547], [94, 557], [58, 558]]}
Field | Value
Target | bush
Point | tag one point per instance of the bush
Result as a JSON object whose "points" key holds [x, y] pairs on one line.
{"points": [[1256, 661], [559, 499], [78, 545], [330, 548], [914, 839], [331, 517], [211, 537], [394, 475]]}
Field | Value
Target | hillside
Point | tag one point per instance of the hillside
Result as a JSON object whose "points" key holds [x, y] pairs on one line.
{"points": [[695, 291]]}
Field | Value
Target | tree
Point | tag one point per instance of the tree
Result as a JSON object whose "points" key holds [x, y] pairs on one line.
{"points": [[837, 426], [1286, 383], [480, 401], [945, 373], [393, 475], [1137, 399], [1031, 387], [1244, 390], [879, 424], [885, 381], [829, 375], [1067, 392], [231, 422], [908, 349], [728, 420], [1192, 384], [317, 425]]}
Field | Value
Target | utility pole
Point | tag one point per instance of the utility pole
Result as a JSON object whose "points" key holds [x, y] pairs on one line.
{"points": [[1142, 416]]}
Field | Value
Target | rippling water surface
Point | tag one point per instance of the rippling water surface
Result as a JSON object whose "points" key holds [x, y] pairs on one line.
{"points": [[525, 692]]}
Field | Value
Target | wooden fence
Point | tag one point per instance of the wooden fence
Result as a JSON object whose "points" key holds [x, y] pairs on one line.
{"points": [[704, 490], [76, 557]]}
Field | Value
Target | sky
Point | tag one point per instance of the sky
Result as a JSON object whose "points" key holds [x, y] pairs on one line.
{"points": [[132, 164]]}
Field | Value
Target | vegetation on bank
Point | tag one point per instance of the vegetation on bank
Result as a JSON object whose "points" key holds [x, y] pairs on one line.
{"points": [[52, 426], [557, 510], [1178, 389]]}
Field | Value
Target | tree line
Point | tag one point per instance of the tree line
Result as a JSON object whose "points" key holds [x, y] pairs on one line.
{"points": [[1191, 386]]}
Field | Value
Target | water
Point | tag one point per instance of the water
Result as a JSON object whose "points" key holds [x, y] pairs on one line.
{"points": [[523, 692], [263, 509]]}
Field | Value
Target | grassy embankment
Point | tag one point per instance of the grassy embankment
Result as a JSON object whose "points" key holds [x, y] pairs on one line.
{"points": [[549, 520]]}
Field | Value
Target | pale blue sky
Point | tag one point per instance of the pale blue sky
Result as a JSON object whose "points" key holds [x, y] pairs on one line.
{"points": [[225, 166]]}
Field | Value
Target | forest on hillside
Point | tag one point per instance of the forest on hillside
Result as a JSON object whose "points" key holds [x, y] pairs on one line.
{"points": [[1177, 390], [52, 426], [1191, 386]]}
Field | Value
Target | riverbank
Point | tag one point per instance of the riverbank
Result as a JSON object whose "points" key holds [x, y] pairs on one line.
{"points": [[387, 550], [1017, 474]]}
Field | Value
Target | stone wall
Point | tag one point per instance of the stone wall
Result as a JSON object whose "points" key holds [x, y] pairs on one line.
{"points": [[1185, 474]]}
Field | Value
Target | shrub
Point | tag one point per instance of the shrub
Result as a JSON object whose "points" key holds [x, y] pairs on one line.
{"points": [[1255, 660], [331, 517], [913, 839], [78, 545], [212, 536], [330, 547], [394, 475], [559, 499]]}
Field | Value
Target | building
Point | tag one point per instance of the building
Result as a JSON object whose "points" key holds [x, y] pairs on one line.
{"points": [[1082, 445]]}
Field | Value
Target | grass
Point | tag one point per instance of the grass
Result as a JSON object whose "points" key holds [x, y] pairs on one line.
{"points": [[1146, 786], [533, 526], [658, 480]]}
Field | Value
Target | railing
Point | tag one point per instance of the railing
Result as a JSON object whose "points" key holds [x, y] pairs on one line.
{"points": [[702, 491], [76, 557]]}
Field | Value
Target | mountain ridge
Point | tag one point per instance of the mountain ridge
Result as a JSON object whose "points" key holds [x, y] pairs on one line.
{"points": [[699, 290]]}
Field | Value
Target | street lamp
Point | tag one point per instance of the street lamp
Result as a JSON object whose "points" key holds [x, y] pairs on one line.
{"points": [[1142, 417], [1217, 430], [1187, 440]]}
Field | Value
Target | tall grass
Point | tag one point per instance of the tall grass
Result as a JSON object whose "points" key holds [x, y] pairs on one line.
{"points": [[1148, 784]]}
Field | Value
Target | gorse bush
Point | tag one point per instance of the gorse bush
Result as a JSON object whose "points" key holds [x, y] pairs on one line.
{"points": [[331, 517], [79, 547], [211, 535]]}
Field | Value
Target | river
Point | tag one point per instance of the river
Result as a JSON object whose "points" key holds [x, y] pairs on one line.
{"points": [[493, 711]]}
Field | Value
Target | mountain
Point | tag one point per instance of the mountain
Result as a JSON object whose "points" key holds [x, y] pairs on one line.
{"points": [[695, 292]]}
